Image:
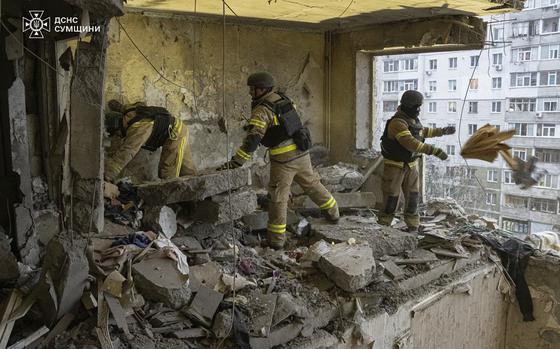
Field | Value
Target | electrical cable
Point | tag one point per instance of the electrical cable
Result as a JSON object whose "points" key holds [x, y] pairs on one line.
{"points": [[346, 9]]}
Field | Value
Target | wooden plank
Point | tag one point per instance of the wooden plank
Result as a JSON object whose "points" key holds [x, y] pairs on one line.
{"points": [[60, 327], [102, 328], [9, 305], [118, 313], [25, 342]]}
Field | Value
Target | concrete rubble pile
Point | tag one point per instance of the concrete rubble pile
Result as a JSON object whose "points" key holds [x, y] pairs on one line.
{"points": [[198, 274]]}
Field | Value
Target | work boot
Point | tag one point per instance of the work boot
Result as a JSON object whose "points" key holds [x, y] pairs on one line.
{"points": [[332, 215], [275, 240]]}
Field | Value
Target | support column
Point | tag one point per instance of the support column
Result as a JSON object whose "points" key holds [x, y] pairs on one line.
{"points": [[86, 134]]}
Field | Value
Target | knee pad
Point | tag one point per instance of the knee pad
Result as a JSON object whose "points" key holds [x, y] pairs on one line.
{"points": [[391, 204], [412, 206]]}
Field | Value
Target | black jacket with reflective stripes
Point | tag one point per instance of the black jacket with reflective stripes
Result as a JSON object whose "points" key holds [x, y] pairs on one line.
{"points": [[391, 148], [163, 121]]}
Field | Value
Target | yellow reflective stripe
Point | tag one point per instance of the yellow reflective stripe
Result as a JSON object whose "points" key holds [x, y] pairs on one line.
{"points": [[330, 203], [283, 150], [176, 130], [402, 134], [257, 123], [140, 123], [395, 163], [275, 120], [419, 147], [113, 167], [277, 228], [430, 132], [412, 164], [181, 154], [242, 154]]}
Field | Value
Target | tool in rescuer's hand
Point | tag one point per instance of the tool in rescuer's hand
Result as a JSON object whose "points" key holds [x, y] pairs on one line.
{"points": [[486, 143]]}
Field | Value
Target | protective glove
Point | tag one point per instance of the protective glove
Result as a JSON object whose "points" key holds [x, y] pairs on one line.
{"points": [[439, 153], [231, 164], [449, 130]]}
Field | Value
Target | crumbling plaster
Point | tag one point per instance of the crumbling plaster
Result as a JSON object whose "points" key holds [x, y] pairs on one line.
{"points": [[190, 54]]}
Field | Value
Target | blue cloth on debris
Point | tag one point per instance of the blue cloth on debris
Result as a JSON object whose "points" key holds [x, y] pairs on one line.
{"points": [[137, 239]]}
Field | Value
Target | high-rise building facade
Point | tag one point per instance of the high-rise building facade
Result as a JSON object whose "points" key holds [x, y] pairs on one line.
{"points": [[513, 83]]}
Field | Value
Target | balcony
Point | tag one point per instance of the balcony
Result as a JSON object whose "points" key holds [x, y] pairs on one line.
{"points": [[532, 117]]}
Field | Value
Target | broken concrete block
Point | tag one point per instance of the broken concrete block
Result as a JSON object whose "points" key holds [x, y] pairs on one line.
{"points": [[344, 175], [261, 310], [9, 271], [208, 274], [184, 189], [210, 231], [393, 270], [383, 240], [113, 284], [160, 219], [319, 340], [277, 337], [316, 250], [343, 200], [217, 209], [222, 324], [351, 267], [204, 305], [47, 225], [159, 280], [285, 307], [66, 263]]}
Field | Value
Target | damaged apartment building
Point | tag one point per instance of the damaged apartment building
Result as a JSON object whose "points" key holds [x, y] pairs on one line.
{"points": [[183, 262]]}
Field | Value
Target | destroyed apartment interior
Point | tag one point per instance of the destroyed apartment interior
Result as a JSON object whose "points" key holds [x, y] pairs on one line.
{"points": [[226, 174]]}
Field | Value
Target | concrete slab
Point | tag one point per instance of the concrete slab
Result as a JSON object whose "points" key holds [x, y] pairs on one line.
{"points": [[160, 219], [204, 305], [222, 324], [262, 310], [208, 274], [279, 336], [217, 209], [319, 340], [184, 189], [350, 267], [382, 240], [159, 280], [210, 231]]}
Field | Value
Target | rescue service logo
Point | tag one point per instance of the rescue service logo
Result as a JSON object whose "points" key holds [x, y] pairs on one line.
{"points": [[36, 24]]}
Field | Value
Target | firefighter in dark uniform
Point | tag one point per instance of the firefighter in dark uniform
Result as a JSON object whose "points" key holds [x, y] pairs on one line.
{"points": [[276, 124], [402, 144], [148, 127]]}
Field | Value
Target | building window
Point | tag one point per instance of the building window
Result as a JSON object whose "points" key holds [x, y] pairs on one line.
{"points": [[497, 34], [451, 107], [432, 85], [450, 150], [471, 173], [546, 130], [515, 226], [523, 79], [522, 104], [524, 54], [549, 78], [548, 181], [409, 64], [408, 85], [399, 85], [550, 105], [432, 125], [521, 29], [452, 84], [496, 107], [550, 52], [432, 107], [544, 205], [522, 129], [497, 58], [496, 82], [473, 107], [549, 156], [472, 129], [473, 84], [508, 179], [391, 66], [513, 201], [390, 106], [492, 176], [550, 25], [474, 61], [433, 64], [453, 63], [491, 199], [520, 153]]}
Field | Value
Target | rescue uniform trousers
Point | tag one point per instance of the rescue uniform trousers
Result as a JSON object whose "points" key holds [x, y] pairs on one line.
{"points": [[176, 158], [396, 178], [282, 175]]}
